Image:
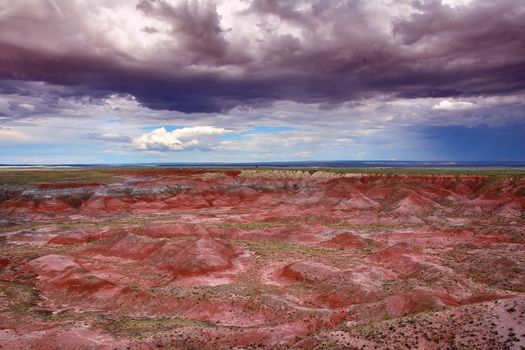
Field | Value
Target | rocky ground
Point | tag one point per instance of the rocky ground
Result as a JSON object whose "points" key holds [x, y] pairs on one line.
{"points": [[213, 259]]}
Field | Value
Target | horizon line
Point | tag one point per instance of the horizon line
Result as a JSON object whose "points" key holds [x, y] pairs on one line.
{"points": [[304, 163]]}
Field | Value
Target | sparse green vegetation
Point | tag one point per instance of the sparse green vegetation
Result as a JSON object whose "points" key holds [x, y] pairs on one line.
{"points": [[22, 298], [66, 316], [263, 249], [36, 177], [144, 327], [482, 171], [92, 279], [367, 250], [341, 225], [249, 226]]}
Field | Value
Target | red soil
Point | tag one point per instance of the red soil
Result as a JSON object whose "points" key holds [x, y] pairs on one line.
{"points": [[58, 338], [82, 236], [347, 240], [104, 204], [418, 300], [197, 257], [213, 259], [400, 258], [127, 245], [309, 271]]}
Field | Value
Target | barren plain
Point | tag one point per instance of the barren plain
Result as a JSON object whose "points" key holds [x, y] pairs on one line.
{"points": [[261, 258]]}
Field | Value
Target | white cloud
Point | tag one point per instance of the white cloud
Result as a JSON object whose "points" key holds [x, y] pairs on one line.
{"points": [[27, 106], [456, 3], [110, 137], [14, 135], [454, 105], [197, 137], [303, 154]]}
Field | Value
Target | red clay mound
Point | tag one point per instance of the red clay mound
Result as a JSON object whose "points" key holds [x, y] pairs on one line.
{"points": [[435, 237], [148, 206], [51, 265], [415, 203], [224, 201], [357, 201], [246, 193], [506, 272], [348, 193], [344, 195], [393, 251], [229, 313], [346, 240], [159, 230], [65, 282], [342, 188], [418, 300], [232, 197], [77, 237], [74, 285], [399, 257], [332, 287], [104, 204], [309, 271], [232, 173], [187, 201], [53, 205], [18, 207], [199, 257], [230, 233], [343, 295], [127, 245], [4, 262]]}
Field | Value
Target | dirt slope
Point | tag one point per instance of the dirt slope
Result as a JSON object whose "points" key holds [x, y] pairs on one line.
{"points": [[217, 259]]}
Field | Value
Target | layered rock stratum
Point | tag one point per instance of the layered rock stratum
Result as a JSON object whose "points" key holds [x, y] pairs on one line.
{"points": [[275, 259]]}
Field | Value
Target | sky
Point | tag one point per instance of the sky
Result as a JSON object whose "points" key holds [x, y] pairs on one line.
{"points": [[127, 81]]}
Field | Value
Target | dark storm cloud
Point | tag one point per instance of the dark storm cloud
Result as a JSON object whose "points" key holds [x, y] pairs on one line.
{"points": [[333, 52], [25, 99], [480, 50], [197, 27]]}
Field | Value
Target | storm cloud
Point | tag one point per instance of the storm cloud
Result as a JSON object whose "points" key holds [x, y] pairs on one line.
{"points": [[211, 57]]}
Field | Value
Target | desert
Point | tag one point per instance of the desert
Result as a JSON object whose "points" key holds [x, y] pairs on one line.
{"points": [[261, 258]]}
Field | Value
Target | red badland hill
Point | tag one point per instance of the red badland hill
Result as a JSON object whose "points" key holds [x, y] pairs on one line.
{"points": [[213, 259]]}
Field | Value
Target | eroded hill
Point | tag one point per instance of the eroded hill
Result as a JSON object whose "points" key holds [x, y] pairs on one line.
{"points": [[214, 259]]}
